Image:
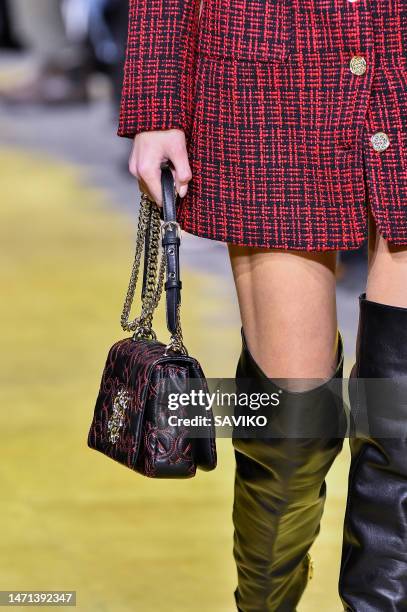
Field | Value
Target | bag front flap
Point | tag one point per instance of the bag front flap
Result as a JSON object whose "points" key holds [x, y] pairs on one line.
{"points": [[117, 423], [128, 383]]}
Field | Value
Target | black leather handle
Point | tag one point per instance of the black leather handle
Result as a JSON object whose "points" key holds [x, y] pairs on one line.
{"points": [[171, 243]]}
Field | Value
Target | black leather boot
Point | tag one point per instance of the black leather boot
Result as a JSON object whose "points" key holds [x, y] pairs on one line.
{"points": [[280, 488], [373, 574]]}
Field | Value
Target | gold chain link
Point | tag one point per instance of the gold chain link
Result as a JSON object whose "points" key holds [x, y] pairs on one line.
{"points": [[176, 343], [149, 220]]}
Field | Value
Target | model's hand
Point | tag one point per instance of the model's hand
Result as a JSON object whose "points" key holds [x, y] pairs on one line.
{"points": [[152, 148]]}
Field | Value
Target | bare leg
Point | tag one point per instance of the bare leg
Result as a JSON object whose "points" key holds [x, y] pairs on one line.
{"points": [[288, 310], [61, 71], [387, 275], [39, 23]]}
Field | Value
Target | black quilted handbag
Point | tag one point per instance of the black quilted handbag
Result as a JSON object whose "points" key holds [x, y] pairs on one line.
{"points": [[132, 421]]}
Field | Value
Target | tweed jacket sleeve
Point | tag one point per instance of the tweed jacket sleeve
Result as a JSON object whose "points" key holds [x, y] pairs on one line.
{"points": [[159, 67]]}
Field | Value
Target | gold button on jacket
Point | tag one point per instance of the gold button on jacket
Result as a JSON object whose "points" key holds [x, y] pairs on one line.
{"points": [[358, 65]]}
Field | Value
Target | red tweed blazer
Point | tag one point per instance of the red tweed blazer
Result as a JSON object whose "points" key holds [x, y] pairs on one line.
{"points": [[295, 113]]}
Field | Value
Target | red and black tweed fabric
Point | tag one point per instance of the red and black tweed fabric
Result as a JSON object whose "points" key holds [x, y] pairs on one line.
{"points": [[278, 127]]}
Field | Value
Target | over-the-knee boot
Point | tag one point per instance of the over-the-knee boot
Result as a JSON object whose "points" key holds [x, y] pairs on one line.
{"points": [[373, 574], [280, 488]]}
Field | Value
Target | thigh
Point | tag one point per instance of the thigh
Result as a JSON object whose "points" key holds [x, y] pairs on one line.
{"points": [[288, 309], [387, 270]]}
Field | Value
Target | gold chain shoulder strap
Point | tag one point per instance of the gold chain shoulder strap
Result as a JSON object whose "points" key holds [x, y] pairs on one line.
{"points": [[148, 225], [149, 228]]}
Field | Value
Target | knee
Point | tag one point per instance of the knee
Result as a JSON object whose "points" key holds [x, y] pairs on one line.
{"points": [[295, 358]]}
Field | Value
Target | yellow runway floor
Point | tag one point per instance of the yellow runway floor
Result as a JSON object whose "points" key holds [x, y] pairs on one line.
{"points": [[70, 518]]}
